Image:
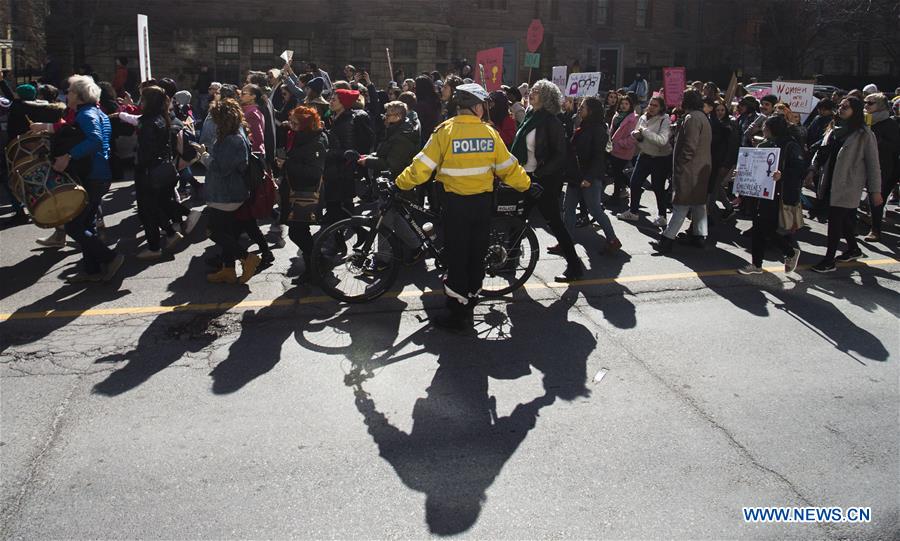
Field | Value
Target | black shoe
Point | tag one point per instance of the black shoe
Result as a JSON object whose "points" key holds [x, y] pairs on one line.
{"points": [[583, 221], [663, 245], [556, 249], [728, 215], [266, 259], [823, 266], [692, 240], [572, 273], [850, 256], [306, 278]]}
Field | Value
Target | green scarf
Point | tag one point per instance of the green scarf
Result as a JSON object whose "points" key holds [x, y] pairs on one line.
{"points": [[533, 119]]}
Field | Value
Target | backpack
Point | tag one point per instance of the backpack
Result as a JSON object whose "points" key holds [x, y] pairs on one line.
{"points": [[257, 170]]}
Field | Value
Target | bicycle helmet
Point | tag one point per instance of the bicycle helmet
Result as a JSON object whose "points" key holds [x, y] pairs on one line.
{"points": [[470, 95]]}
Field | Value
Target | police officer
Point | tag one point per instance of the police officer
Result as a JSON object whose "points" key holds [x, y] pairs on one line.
{"points": [[465, 154]]}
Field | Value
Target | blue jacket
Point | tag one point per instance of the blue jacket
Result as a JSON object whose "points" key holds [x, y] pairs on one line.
{"points": [[97, 130], [224, 181]]}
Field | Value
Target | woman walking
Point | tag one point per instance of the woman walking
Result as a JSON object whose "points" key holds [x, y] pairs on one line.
{"points": [[622, 145], [654, 159]]}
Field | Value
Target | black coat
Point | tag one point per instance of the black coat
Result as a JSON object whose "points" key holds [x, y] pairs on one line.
{"points": [[550, 150], [398, 149], [792, 165], [305, 161], [154, 143], [887, 134], [350, 131], [588, 159]]}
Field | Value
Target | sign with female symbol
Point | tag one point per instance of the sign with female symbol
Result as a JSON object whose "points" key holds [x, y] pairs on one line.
{"points": [[492, 60], [753, 173]]}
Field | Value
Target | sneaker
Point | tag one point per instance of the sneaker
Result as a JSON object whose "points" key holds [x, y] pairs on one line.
{"points": [[850, 256], [790, 264], [623, 194], [873, 237], [727, 216], [83, 277], [660, 221], [612, 246], [55, 240], [628, 216], [248, 267], [225, 275], [267, 258], [275, 228], [113, 267], [750, 269], [148, 254], [191, 222], [823, 267], [571, 274], [173, 240]]}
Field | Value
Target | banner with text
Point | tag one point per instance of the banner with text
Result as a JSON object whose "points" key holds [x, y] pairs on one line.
{"points": [[580, 85], [674, 83], [753, 173], [492, 60], [798, 96], [144, 48], [559, 77]]}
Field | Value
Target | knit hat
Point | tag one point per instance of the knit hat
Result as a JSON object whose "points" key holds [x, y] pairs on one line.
{"points": [[870, 89], [182, 97], [347, 97], [26, 92], [316, 84]]}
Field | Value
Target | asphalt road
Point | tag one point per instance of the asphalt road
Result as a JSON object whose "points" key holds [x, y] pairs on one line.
{"points": [[270, 412]]}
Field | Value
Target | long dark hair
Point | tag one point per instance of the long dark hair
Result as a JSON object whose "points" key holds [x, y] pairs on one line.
{"points": [[425, 90], [499, 107], [777, 126], [856, 120], [154, 103], [692, 100], [595, 109]]}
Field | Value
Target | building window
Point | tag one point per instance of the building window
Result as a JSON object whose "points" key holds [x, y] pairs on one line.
{"points": [[643, 59], [440, 50], [642, 15], [601, 14], [679, 15], [229, 45], [300, 48], [361, 48], [406, 48], [263, 46], [493, 4]]}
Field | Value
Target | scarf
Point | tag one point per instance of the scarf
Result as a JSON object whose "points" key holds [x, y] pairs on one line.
{"points": [[617, 121], [533, 119], [878, 116]]}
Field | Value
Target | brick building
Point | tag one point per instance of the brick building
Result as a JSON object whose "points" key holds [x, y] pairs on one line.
{"points": [[618, 37]]}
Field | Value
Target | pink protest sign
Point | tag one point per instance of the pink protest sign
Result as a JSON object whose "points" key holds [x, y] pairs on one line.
{"points": [[674, 82]]}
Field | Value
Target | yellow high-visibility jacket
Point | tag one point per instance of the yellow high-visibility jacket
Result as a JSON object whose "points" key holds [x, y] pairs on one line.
{"points": [[467, 154]]}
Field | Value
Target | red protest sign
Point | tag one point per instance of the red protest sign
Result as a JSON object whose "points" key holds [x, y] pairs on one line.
{"points": [[492, 60], [535, 35], [674, 82]]}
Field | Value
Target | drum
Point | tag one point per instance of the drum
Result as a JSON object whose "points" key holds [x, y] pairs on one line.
{"points": [[52, 198], [29, 146]]}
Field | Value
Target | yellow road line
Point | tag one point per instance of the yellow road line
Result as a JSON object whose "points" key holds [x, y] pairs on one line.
{"points": [[224, 306]]}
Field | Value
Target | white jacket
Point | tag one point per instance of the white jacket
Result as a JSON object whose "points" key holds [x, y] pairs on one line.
{"points": [[656, 135]]}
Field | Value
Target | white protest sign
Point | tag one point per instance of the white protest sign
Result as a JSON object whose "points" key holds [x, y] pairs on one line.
{"points": [[586, 83], [287, 56], [559, 77], [144, 48], [753, 173], [798, 96]]}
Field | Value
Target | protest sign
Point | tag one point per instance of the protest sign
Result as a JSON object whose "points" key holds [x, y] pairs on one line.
{"points": [[583, 84], [287, 56], [759, 94], [492, 60], [144, 48], [798, 96], [753, 173], [674, 82], [559, 77], [532, 60]]}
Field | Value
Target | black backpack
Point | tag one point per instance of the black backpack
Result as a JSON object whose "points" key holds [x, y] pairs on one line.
{"points": [[257, 169]]}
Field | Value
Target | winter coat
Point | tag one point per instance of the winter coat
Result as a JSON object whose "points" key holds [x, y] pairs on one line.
{"points": [[589, 153], [623, 144], [257, 123], [350, 133], [692, 160], [887, 134], [507, 130], [97, 130], [429, 116], [400, 145], [855, 167], [305, 161], [656, 135], [550, 150], [792, 165], [224, 181], [721, 142], [154, 143]]}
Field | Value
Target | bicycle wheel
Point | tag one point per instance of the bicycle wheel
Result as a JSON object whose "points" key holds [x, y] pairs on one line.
{"points": [[512, 255], [354, 262]]}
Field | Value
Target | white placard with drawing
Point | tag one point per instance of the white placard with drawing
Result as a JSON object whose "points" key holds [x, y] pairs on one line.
{"points": [[753, 173]]}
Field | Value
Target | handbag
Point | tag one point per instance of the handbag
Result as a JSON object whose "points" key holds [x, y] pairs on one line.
{"points": [[303, 207], [790, 217]]}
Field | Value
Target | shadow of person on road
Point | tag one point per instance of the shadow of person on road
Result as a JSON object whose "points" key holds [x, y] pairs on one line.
{"points": [[459, 443], [173, 334]]}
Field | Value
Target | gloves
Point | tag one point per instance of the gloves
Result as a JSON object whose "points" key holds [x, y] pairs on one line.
{"points": [[535, 190], [351, 156]]}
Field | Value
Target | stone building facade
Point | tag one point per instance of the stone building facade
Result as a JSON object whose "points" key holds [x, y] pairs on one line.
{"points": [[619, 37]]}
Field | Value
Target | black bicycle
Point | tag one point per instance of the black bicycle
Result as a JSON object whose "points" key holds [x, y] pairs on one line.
{"points": [[358, 259]]}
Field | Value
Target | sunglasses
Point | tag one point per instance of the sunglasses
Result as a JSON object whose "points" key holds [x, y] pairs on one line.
{"points": [[869, 102]]}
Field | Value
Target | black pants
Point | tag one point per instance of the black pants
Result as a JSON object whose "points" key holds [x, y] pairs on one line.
{"points": [[300, 235], [467, 226], [878, 212], [765, 228], [94, 253], [841, 223], [224, 232], [155, 209], [548, 205], [251, 228], [617, 172], [659, 168]]}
